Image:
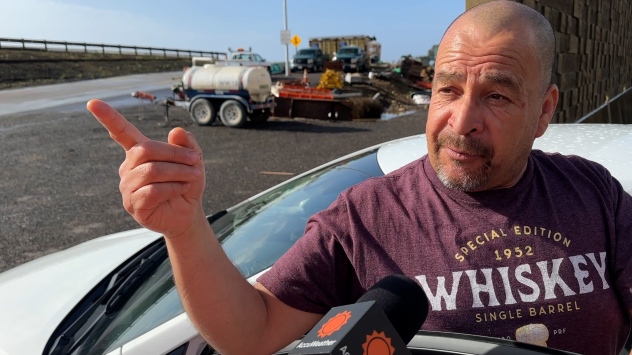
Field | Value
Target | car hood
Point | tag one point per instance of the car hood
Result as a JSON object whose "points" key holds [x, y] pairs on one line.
{"points": [[39, 294]]}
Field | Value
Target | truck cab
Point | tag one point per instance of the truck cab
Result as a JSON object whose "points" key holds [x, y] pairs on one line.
{"points": [[312, 59], [353, 58], [246, 59]]}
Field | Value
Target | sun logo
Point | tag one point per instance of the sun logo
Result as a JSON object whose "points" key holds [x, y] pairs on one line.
{"points": [[378, 344], [334, 324]]}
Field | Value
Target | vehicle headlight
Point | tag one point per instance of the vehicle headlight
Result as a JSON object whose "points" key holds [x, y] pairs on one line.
{"points": [[354, 60], [310, 61]]}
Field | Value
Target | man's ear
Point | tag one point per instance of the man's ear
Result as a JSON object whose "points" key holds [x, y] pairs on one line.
{"points": [[549, 103]]}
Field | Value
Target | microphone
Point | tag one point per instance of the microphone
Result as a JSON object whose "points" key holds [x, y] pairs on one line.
{"points": [[382, 321]]}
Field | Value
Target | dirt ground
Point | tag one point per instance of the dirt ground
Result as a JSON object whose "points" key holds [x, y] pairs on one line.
{"points": [[59, 177]]}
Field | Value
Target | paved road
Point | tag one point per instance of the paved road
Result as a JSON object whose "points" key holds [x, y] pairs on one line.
{"points": [[69, 94], [59, 168]]}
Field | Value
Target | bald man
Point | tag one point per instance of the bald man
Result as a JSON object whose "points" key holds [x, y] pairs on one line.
{"points": [[506, 241]]}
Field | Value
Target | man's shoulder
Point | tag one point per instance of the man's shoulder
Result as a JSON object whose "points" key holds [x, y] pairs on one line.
{"points": [[568, 164], [559, 158]]}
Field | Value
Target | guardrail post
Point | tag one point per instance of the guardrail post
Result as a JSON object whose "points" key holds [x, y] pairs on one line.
{"points": [[85, 47], [164, 52], [103, 49], [135, 50], [23, 44], [66, 45], [45, 46], [120, 50]]}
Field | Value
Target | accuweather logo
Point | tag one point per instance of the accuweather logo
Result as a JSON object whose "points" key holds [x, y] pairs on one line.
{"points": [[316, 343], [334, 324], [378, 344]]}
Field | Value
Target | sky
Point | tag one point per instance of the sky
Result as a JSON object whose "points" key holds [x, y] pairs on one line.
{"points": [[402, 27]]}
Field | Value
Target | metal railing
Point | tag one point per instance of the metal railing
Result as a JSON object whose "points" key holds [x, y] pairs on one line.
{"points": [[615, 110], [15, 43]]}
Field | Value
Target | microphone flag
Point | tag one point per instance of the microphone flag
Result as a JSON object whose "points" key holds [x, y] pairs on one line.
{"points": [[353, 329]]}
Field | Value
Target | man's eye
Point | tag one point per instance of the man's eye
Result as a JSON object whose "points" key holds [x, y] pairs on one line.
{"points": [[497, 96]]}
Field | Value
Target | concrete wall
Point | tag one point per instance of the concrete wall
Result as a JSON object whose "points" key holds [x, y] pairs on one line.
{"points": [[594, 52]]}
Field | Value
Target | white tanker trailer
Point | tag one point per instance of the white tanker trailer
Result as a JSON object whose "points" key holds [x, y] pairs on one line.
{"points": [[234, 93]]}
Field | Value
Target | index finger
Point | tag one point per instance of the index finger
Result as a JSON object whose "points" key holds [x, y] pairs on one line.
{"points": [[121, 130]]}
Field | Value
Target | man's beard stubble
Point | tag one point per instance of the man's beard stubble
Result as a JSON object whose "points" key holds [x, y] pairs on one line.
{"points": [[465, 180]]}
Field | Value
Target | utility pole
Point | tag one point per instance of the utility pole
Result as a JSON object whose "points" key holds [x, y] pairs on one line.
{"points": [[287, 50]]}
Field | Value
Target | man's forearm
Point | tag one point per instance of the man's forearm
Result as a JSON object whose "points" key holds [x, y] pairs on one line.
{"points": [[227, 311]]}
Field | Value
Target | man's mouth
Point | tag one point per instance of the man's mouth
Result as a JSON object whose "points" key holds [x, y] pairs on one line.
{"points": [[461, 149], [461, 154]]}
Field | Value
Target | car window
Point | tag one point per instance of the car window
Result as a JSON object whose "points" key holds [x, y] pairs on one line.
{"points": [[348, 51], [254, 235]]}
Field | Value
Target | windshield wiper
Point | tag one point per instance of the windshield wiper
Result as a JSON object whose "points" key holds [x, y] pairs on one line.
{"points": [[120, 286], [146, 267]]}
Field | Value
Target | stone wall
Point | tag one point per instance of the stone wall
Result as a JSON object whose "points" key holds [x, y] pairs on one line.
{"points": [[594, 52]]}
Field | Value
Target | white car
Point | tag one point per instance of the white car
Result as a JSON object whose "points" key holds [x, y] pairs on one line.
{"points": [[115, 294]]}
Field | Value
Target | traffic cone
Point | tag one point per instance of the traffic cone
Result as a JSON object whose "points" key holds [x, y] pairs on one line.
{"points": [[305, 80]]}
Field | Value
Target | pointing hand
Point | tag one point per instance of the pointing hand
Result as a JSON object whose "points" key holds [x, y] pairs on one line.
{"points": [[161, 183]]}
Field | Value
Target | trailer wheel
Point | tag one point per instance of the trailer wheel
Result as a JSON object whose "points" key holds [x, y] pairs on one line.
{"points": [[232, 114], [202, 112]]}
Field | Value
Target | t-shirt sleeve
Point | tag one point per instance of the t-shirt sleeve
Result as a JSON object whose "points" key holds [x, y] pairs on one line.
{"points": [[622, 253], [315, 274], [618, 212]]}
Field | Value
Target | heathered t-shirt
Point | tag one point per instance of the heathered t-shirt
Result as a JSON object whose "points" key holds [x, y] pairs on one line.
{"points": [[547, 261]]}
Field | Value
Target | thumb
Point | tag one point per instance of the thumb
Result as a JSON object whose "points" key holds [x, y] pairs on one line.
{"points": [[179, 136]]}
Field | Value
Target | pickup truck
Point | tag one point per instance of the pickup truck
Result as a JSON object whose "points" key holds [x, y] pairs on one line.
{"points": [[312, 59], [353, 58], [246, 59]]}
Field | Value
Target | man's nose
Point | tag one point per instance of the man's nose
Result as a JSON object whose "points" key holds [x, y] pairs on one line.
{"points": [[467, 116]]}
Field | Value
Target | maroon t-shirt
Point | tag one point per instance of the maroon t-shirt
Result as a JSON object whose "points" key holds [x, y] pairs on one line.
{"points": [[547, 261]]}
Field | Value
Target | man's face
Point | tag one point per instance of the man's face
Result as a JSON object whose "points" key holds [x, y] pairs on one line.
{"points": [[486, 100]]}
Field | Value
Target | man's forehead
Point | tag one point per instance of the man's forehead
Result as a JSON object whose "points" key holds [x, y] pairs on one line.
{"points": [[500, 54], [499, 77], [462, 73]]}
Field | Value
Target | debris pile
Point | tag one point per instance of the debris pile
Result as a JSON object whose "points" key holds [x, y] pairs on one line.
{"points": [[386, 88]]}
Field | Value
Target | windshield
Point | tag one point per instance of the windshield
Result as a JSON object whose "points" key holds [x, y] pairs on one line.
{"points": [[307, 52], [348, 51], [254, 235]]}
